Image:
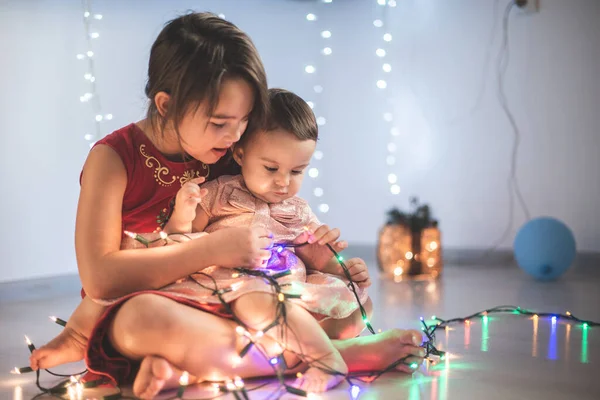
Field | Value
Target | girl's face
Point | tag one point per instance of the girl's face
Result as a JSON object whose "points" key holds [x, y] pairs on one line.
{"points": [[207, 138], [273, 164]]}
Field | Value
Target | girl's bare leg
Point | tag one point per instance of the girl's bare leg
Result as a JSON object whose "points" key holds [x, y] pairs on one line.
{"points": [[299, 333], [171, 335], [71, 342]]}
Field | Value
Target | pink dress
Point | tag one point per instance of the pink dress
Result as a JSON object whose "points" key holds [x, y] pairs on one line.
{"points": [[229, 203]]}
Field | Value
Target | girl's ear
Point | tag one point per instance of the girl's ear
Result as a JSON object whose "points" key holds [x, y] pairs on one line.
{"points": [[161, 100]]}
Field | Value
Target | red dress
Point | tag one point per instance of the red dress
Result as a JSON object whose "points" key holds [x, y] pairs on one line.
{"points": [[153, 181]]}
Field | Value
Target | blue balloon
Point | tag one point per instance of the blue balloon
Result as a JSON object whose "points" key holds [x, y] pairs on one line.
{"points": [[544, 248]]}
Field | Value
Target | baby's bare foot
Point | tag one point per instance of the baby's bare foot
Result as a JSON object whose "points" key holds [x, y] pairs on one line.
{"points": [[316, 379], [153, 374], [377, 352], [68, 346]]}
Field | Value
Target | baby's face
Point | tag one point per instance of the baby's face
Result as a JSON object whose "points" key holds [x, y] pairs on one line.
{"points": [[273, 164]]}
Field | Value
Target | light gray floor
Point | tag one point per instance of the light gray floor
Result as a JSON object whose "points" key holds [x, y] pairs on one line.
{"points": [[508, 359]]}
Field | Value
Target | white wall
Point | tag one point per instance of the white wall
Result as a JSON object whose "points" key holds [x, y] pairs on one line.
{"points": [[455, 142]]}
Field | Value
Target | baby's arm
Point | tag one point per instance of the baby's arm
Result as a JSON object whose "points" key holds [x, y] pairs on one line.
{"points": [[315, 253], [201, 221], [186, 202], [357, 268], [318, 256]]}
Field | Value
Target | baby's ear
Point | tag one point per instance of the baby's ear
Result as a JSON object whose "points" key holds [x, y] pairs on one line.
{"points": [[238, 154]]}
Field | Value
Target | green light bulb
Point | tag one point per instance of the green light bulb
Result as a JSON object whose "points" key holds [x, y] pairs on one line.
{"points": [[433, 317], [585, 325], [340, 258], [413, 365]]}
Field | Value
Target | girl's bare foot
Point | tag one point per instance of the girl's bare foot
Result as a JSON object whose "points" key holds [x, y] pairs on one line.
{"points": [[377, 352], [68, 346], [153, 374], [316, 380]]}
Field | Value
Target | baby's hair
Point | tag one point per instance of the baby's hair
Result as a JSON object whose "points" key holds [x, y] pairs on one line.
{"points": [[191, 58], [289, 112]]}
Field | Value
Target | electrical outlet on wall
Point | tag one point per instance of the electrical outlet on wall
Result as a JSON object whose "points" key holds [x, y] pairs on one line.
{"points": [[528, 6]]}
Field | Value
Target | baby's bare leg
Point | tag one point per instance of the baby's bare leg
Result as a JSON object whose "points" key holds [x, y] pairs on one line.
{"points": [[302, 334], [70, 344], [349, 327]]}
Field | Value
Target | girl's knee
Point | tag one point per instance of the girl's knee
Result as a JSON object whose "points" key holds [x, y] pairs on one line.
{"points": [[144, 314]]}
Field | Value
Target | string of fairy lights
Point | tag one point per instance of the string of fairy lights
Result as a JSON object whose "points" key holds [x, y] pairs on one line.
{"points": [[235, 385], [91, 95], [382, 52], [74, 387], [310, 69]]}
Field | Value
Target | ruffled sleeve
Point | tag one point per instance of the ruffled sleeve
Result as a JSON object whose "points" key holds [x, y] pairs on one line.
{"points": [[208, 202], [226, 196]]}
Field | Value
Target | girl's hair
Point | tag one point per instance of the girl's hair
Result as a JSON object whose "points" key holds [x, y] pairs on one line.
{"points": [[288, 112], [189, 60]]}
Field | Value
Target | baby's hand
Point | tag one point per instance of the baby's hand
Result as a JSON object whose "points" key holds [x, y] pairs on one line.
{"points": [[324, 235], [358, 272], [316, 255], [186, 202]]}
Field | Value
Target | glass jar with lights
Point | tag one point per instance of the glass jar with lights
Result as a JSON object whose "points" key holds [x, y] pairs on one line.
{"points": [[409, 245]]}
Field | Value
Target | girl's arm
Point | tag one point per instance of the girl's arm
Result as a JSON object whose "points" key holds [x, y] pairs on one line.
{"points": [[108, 272]]}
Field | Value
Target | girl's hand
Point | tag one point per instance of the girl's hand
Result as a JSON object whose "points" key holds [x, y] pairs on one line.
{"points": [[241, 247], [358, 272]]}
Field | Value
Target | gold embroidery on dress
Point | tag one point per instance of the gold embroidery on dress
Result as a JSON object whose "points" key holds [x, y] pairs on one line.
{"points": [[192, 174], [160, 171]]}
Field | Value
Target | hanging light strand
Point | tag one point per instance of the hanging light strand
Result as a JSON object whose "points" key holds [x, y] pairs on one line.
{"points": [[324, 36], [384, 70], [91, 95]]}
